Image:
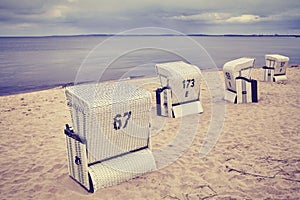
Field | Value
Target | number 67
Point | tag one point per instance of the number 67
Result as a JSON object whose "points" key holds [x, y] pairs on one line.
{"points": [[118, 120]]}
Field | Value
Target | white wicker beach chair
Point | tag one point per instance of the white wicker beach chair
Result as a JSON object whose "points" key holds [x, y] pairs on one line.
{"points": [[275, 69], [110, 140], [180, 92], [240, 87]]}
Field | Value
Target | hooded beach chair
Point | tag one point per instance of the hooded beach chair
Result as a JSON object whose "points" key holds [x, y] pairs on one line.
{"points": [[180, 91], [240, 88], [109, 142], [275, 69]]}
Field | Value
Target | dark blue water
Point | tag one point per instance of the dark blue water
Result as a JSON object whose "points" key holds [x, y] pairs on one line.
{"points": [[28, 64]]}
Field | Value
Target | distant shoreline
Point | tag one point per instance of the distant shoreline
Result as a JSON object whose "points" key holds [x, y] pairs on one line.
{"points": [[63, 85], [160, 35]]}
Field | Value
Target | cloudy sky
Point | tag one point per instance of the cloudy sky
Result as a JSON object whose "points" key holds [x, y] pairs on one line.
{"points": [[64, 17]]}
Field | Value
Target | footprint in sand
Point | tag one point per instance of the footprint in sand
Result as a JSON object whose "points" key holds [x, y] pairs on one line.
{"points": [[37, 169], [36, 188], [19, 181], [55, 167]]}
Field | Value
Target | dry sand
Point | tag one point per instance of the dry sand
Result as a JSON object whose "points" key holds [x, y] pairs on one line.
{"points": [[257, 155]]}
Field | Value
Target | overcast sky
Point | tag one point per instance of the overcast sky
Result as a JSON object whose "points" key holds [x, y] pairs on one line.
{"points": [[64, 17]]}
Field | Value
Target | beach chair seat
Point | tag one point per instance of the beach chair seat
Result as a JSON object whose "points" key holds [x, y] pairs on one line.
{"points": [[179, 94], [111, 136], [275, 69], [240, 87]]}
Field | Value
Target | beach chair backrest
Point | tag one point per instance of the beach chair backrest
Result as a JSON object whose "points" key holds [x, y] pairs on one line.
{"points": [[241, 67], [182, 78], [110, 118]]}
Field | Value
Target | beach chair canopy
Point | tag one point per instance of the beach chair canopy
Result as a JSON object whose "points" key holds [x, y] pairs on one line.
{"points": [[240, 67], [182, 78], [277, 57], [110, 118]]}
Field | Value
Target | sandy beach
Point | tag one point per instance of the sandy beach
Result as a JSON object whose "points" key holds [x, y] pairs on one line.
{"points": [[256, 155]]}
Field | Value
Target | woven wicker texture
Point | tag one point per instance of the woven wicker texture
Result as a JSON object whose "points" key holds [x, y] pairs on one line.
{"points": [[184, 80], [77, 161], [122, 168], [112, 118]]}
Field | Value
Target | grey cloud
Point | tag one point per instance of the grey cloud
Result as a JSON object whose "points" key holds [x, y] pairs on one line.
{"points": [[25, 4], [190, 16]]}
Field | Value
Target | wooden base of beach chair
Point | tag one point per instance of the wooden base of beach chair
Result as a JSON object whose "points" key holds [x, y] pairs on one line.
{"points": [[165, 107], [230, 96], [187, 109], [279, 78], [120, 169]]}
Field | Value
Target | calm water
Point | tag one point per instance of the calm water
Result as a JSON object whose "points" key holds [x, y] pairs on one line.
{"points": [[37, 63]]}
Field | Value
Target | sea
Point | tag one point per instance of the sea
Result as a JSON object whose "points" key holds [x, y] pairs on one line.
{"points": [[36, 63]]}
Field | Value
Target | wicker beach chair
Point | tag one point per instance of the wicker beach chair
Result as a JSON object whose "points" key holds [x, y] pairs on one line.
{"points": [[240, 87], [110, 139], [180, 91], [275, 69]]}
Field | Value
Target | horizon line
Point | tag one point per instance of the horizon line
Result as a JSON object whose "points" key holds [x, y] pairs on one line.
{"points": [[116, 34]]}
